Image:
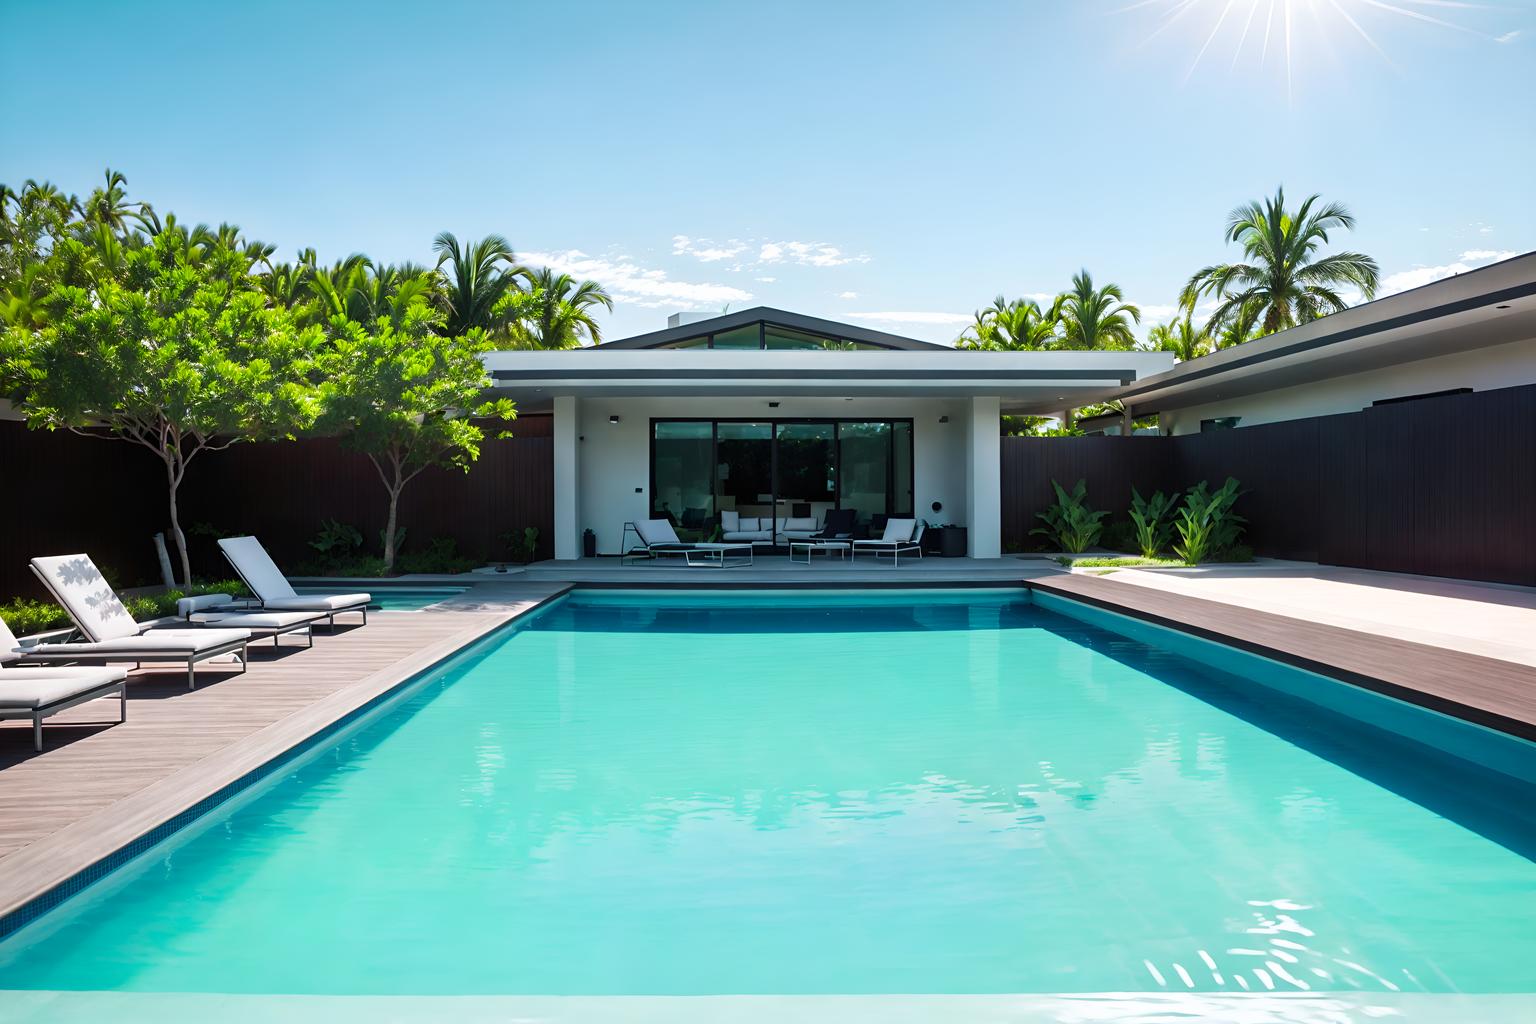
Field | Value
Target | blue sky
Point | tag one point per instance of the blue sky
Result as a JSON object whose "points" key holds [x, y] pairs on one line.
{"points": [[892, 164]]}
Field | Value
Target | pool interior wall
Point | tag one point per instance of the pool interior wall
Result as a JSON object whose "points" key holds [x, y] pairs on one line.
{"points": [[1383, 736]]}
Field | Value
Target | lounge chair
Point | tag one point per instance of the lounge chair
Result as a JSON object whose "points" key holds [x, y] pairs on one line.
{"points": [[902, 536], [36, 693], [657, 538], [218, 610], [273, 590], [111, 634], [839, 525]]}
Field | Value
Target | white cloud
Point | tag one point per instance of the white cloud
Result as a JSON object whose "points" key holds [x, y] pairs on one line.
{"points": [[765, 280], [1485, 230], [627, 281], [807, 254], [847, 295], [1156, 313], [1419, 276], [1508, 37], [1490, 255], [914, 317], [706, 251]]}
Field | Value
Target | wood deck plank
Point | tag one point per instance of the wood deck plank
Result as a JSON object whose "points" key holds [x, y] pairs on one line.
{"points": [[1489, 691], [98, 785]]}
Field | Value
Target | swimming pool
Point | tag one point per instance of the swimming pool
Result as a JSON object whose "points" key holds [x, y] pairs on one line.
{"points": [[893, 792]]}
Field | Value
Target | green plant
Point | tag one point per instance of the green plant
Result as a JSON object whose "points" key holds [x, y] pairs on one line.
{"points": [[1119, 535], [441, 556], [1122, 561], [1206, 523], [336, 539], [1070, 522], [26, 617], [522, 544], [1154, 528]]}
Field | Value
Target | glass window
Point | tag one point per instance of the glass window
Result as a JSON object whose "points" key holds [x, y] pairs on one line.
{"points": [[864, 467], [806, 468], [783, 337], [901, 474], [741, 337], [744, 468], [690, 343], [682, 475]]}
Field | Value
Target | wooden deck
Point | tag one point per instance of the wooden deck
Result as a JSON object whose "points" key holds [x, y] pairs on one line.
{"points": [[1491, 692], [97, 786]]}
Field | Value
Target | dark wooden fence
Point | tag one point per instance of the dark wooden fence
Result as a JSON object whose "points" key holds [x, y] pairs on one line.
{"points": [[1443, 486], [65, 493]]}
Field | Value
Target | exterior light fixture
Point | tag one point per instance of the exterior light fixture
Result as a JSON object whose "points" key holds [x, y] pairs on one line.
{"points": [[773, 405], [943, 419], [613, 419]]}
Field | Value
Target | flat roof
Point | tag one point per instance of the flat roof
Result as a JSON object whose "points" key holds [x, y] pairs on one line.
{"points": [[767, 314], [1025, 382], [1492, 305]]}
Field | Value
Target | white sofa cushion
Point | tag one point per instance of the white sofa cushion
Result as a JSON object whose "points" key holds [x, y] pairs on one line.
{"points": [[802, 523], [730, 520]]}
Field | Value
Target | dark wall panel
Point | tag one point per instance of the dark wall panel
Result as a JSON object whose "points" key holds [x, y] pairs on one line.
{"points": [[1110, 465]]}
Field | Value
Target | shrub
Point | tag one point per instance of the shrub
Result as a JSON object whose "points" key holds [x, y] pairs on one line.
{"points": [[1154, 525], [1206, 523], [1070, 522], [336, 540], [26, 617], [522, 544], [1119, 535], [441, 556]]}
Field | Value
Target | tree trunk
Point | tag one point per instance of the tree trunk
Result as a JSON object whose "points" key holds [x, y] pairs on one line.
{"points": [[173, 477], [389, 524]]}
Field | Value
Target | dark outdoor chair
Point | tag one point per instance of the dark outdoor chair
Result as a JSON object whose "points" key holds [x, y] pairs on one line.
{"points": [[694, 518], [800, 510], [839, 524]]}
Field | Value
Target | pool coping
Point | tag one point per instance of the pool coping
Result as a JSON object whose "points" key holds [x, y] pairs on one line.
{"points": [[41, 876], [1494, 694]]}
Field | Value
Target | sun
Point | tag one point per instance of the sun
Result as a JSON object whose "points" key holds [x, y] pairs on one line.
{"points": [[1278, 31]]}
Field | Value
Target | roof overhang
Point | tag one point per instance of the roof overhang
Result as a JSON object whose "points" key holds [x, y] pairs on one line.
{"points": [[1025, 382], [1493, 305]]}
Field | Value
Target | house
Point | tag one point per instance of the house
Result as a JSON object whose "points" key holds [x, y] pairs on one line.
{"points": [[774, 416], [1472, 332]]}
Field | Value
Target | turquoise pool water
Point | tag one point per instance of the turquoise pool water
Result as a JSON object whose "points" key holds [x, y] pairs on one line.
{"points": [[398, 599], [874, 793]]}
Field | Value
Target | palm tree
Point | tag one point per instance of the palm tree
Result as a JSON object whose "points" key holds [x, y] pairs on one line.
{"points": [[1096, 318], [556, 312], [1283, 283], [477, 278], [110, 205], [1181, 337], [1017, 326]]}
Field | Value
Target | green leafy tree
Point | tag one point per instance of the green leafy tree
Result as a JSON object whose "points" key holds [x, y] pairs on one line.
{"points": [[556, 312], [1097, 318], [403, 395], [170, 347], [1181, 337], [1282, 281]]}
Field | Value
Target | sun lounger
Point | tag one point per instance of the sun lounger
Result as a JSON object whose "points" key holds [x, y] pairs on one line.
{"points": [[902, 536], [112, 636], [272, 588], [657, 538], [217, 610], [36, 693]]}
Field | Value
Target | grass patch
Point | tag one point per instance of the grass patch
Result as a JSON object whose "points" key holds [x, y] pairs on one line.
{"points": [[1115, 562]]}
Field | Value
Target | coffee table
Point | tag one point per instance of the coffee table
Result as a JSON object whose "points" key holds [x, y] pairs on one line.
{"points": [[842, 548], [716, 555]]}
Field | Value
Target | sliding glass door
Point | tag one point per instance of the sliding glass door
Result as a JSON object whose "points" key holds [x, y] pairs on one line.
{"points": [[779, 468]]}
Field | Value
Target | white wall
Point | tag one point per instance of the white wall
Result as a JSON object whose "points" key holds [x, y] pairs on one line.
{"points": [[615, 467], [1501, 366]]}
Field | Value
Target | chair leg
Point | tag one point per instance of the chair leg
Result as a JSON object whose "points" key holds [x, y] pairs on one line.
{"points": [[37, 732], [122, 698], [191, 675]]}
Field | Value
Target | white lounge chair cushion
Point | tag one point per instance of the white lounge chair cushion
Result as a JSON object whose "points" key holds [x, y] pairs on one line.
{"points": [[169, 641], [256, 567], [10, 647], [802, 523], [318, 602], [255, 620], [187, 605], [28, 688], [898, 530], [86, 595], [656, 531]]}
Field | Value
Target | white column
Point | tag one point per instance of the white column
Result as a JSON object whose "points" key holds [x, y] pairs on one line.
{"points": [[983, 479], [567, 478]]}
